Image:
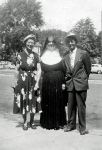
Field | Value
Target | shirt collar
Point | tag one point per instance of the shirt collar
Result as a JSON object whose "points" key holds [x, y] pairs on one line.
{"points": [[74, 51]]}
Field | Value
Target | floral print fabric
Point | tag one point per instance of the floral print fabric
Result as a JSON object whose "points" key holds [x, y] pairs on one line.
{"points": [[24, 95]]}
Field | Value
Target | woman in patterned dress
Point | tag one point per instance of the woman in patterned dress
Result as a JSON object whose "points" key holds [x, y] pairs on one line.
{"points": [[53, 114], [26, 80]]}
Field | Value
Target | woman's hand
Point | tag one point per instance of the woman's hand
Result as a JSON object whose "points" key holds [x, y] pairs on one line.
{"points": [[13, 88], [39, 99], [36, 86], [63, 86]]}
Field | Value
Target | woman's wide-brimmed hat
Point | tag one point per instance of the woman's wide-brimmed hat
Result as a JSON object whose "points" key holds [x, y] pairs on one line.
{"points": [[32, 36], [72, 35]]}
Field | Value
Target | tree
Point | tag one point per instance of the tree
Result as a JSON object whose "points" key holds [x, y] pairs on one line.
{"points": [[85, 29], [16, 18], [99, 43], [21, 12], [58, 34], [53, 32]]}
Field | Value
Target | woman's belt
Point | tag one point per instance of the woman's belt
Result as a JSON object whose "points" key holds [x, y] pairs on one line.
{"points": [[27, 70]]}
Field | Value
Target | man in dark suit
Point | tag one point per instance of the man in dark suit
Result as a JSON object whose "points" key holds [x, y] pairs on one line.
{"points": [[78, 68]]}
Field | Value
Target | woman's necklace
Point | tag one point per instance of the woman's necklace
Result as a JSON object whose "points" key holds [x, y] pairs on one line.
{"points": [[27, 52], [30, 57]]}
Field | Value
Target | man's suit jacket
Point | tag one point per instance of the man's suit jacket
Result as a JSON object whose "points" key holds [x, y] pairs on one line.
{"points": [[78, 76]]}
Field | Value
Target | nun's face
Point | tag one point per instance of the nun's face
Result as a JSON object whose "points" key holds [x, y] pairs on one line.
{"points": [[30, 44], [51, 45]]}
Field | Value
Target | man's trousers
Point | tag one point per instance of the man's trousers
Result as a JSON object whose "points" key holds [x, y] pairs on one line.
{"points": [[76, 101]]}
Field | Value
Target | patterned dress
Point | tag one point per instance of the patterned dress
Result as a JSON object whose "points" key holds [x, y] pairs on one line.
{"points": [[25, 99], [53, 106]]}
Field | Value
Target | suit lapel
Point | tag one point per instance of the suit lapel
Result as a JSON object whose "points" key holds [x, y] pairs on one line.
{"points": [[78, 56], [67, 61]]}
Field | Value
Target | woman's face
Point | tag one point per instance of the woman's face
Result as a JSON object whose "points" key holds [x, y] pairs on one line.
{"points": [[51, 45], [30, 44]]}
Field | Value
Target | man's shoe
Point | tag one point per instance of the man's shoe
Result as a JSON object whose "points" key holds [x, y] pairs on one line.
{"points": [[67, 129], [84, 132]]}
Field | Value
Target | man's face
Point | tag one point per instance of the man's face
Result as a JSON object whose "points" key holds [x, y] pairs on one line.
{"points": [[71, 44]]}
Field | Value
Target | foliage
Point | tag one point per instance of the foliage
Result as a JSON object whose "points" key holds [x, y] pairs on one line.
{"points": [[21, 12], [85, 29], [17, 36], [17, 18], [58, 34], [99, 43], [53, 32]]}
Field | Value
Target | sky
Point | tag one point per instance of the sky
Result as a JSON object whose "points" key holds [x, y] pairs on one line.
{"points": [[64, 14]]}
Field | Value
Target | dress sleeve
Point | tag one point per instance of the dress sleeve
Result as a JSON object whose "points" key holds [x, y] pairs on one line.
{"points": [[38, 59], [64, 66]]}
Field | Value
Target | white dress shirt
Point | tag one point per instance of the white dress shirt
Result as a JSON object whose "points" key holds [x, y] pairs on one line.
{"points": [[72, 57]]}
